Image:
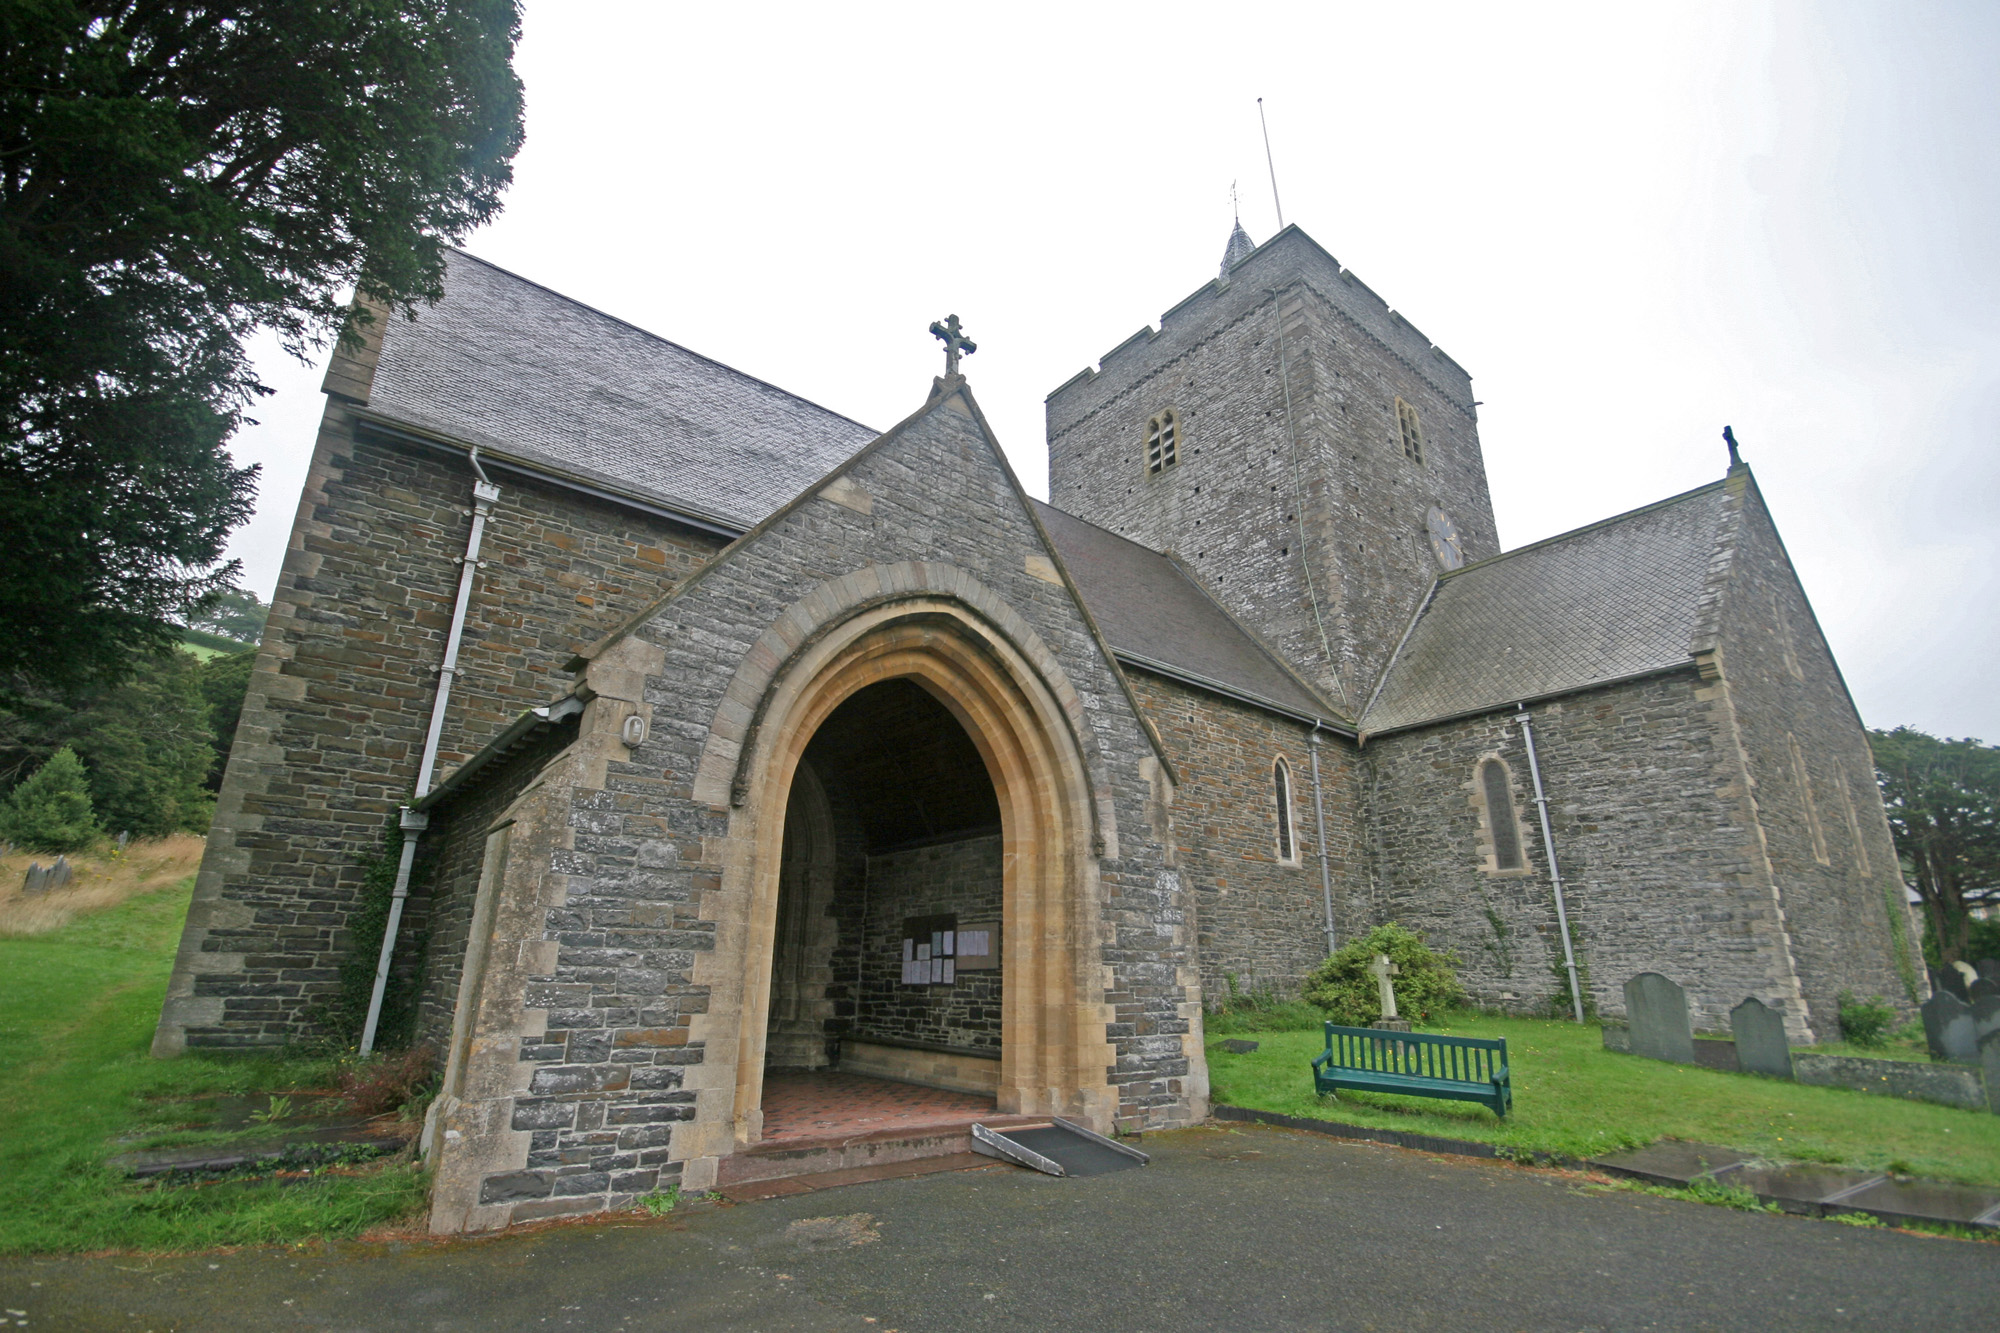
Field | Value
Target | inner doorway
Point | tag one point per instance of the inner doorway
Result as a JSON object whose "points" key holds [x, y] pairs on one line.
{"points": [[886, 949]]}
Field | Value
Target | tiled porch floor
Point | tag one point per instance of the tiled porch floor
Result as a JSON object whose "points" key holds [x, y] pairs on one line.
{"points": [[825, 1103]]}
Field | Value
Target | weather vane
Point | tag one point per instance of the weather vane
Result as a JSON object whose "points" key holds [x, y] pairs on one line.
{"points": [[955, 342]]}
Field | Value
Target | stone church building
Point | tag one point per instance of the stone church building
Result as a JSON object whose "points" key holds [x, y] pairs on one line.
{"points": [[734, 738]]}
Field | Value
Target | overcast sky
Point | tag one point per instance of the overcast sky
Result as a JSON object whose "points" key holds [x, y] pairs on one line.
{"points": [[1631, 225]]}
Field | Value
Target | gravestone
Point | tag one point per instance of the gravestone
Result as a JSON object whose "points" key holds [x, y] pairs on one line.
{"points": [[1985, 1016], [1761, 1046], [1947, 981], [1989, 1059], [1949, 1028], [1239, 1047], [1988, 968], [1382, 969], [1982, 989], [1657, 1011]]}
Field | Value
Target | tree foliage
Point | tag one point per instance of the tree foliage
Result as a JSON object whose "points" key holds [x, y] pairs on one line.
{"points": [[236, 613], [1426, 984], [147, 744], [172, 177], [1943, 799], [224, 683], [50, 812]]}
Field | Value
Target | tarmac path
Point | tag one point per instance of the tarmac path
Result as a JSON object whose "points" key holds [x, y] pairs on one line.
{"points": [[1239, 1227]]}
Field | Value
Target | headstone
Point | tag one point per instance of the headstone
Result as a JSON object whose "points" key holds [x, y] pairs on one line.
{"points": [[1989, 1059], [1982, 989], [1761, 1045], [1657, 1010], [1949, 1028], [1948, 981], [1239, 1047], [1985, 1016], [1988, 968]]}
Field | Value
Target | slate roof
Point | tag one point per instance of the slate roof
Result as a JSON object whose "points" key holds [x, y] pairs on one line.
{"points": [[1152, 613], [1610, 601], [511, 366]]}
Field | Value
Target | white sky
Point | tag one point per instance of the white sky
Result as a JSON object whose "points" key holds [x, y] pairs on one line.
{"points": [[1631, 225]]}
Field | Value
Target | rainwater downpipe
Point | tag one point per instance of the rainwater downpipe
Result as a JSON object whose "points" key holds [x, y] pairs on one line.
{"points": [[1549, 850], [1319, 812], [484, 496]]}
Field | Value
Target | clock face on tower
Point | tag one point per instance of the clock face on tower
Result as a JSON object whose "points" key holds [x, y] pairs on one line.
{"points": [[1444, 538]]}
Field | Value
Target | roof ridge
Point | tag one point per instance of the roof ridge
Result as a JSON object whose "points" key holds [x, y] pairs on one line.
{"points": [[1588, 527], [658, 338]]}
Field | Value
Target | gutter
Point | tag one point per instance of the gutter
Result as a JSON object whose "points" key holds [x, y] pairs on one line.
{"points": [[1186, 677], [700, 520]]}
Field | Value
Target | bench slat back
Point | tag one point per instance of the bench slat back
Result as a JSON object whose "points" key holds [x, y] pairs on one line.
{"points": [[1417, 1054]]}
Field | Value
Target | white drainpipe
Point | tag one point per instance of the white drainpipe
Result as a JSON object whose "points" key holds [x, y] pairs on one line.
{"points": [[1549, 850], [484, 496], [1319, 811]]}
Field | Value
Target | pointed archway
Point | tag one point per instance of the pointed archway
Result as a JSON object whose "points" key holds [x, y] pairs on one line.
{"points": [[1054, 1057]]}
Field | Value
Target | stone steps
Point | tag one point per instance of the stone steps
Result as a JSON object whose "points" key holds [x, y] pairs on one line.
{"points": [[845, 1152]]}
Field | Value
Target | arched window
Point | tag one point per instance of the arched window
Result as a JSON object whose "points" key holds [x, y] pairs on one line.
{"points": [[1163, 437], [1281, 783], [1498, 794], [1411, 430]]}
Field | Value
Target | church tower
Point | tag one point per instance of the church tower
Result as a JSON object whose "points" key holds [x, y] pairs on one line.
{"points": [[1298, 444]]}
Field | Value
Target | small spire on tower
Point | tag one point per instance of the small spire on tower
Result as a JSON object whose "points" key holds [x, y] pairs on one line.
{"points": [[1240, 245]]}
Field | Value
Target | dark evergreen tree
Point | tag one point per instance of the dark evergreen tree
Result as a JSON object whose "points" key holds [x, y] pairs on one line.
{"points": [[1943, 798], [50, 812], [172, 177]]}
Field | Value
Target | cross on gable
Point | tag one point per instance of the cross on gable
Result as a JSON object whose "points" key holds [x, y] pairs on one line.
{"points": [[955, 342]]}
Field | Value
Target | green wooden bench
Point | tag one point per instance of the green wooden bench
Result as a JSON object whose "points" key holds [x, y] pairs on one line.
{"points": [[1415, 1064]]}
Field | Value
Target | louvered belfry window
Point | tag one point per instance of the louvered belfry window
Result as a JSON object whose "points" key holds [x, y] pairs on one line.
{"points": [[1281, 782], [1163, 441], [1412, 430], [1500, 815]]}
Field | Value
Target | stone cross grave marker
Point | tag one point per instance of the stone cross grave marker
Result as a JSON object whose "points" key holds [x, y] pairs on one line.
{"points": [[1383, 969], [1949, 1028], [1761, 1046], [1657, 1011]]}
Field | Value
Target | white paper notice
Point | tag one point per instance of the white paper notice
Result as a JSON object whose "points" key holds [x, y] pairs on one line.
{"points": [[937, 971], [947, 972], [948, 950], [973, 944], [909, 951]]}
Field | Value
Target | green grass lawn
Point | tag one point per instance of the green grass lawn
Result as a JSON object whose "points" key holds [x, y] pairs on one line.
{"points": [[1574, 1097], [77, 1008]]}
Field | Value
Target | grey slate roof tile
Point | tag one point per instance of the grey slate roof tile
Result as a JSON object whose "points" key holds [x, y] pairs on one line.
{"points": [[1150, 609], [1615, 599], [509, 365]]}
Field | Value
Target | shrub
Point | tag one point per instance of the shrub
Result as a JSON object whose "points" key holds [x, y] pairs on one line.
{"points": [[50, 812], [1865, 1024], [384, 1083], [1261, 1010], [1426, 983]]}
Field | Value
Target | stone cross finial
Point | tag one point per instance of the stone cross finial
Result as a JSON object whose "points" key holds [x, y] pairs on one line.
{"points": [[1382, 969], [955, 342]]}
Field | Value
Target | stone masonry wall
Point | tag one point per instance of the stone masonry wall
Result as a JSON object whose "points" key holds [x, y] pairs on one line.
{"points": [[1826, 834], [1260, 922], [446, 880], [959, 877], [1658, 852], [639, 866], [1232, 506], [334, 720]]}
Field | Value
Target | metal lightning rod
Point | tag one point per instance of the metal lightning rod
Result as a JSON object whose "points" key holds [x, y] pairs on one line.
{"points": [[1271, 165]]}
